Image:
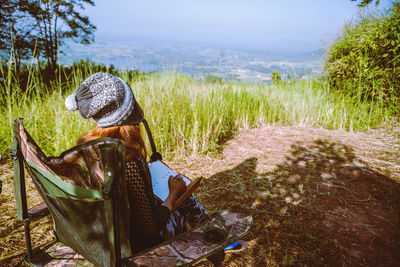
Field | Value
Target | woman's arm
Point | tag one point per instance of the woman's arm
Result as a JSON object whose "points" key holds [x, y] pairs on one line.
{"points": [[146, 213]]}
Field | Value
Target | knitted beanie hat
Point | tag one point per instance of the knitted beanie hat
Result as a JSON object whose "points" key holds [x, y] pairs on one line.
{"points": [[106, 99]]}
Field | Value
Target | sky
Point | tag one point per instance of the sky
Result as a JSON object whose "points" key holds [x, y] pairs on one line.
{"points": [[260, 24]]}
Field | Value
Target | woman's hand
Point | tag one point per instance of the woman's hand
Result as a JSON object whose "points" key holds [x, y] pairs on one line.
{"points": [[176, 187]]}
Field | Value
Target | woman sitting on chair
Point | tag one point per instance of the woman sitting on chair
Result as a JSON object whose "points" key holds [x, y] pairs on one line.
{"points": [[109, 101]]}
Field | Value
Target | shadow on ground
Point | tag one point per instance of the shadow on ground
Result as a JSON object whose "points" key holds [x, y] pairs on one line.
{"points": [[316, 208]]}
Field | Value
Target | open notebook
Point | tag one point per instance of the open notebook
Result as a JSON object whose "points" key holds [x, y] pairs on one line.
{"points": [[160, 173]]}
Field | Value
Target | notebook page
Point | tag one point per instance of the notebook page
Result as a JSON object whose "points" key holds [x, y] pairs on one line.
{"points": [[159, 176]]}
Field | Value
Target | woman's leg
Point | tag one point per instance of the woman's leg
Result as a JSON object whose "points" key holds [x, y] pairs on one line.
{"points": [[190, 211], [194, 211], [175, 225]]}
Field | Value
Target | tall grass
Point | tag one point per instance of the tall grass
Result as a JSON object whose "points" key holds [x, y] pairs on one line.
{"points": [[186, 115]]}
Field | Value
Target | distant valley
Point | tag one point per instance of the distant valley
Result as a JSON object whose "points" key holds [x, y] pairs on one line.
{"points": [[198, 60]]}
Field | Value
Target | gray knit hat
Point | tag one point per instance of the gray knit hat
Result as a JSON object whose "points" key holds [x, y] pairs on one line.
{"points": [[106, 99]]}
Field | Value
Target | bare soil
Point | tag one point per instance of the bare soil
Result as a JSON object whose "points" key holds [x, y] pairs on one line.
{"points": [[318, 197]]}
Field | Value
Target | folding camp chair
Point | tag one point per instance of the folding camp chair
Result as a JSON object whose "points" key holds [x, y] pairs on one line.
{"points": [[85, 211], [84, 190]]}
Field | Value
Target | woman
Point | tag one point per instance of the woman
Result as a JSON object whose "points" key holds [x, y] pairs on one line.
{"points": [[109, 101]]}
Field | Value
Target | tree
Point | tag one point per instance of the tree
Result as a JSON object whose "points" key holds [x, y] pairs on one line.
{"points": [[56, 22], [16, 38], [22, 42], [276, 77], [40, 27], [7, 8]]}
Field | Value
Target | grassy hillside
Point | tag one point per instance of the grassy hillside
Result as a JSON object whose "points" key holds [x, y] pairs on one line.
{"points": [[186, 115]]}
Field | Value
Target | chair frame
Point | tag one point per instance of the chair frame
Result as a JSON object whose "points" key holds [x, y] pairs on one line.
{"points": [[28, 215]]}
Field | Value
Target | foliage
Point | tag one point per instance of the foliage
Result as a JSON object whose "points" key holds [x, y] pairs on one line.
{"points": [[276, 77], [16, 33], [364, 61], [187, 116], [57, 21], [364, 3], [7, 9], [39, 28]]}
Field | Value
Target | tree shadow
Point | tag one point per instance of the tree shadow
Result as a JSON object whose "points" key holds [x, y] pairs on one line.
{"points": [[318, 207]]}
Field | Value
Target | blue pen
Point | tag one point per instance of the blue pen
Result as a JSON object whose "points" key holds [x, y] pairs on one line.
{"points": [[231, 246]]}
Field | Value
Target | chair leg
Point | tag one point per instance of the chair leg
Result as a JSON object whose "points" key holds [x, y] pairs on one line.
{"points": [[28, 239]]}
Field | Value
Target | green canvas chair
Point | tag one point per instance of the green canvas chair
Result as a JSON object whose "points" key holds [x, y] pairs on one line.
{"points": [[84, 190], [85, 211]]}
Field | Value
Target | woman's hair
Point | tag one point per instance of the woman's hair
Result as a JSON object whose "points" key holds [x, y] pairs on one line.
{"points": [[129, 134]]}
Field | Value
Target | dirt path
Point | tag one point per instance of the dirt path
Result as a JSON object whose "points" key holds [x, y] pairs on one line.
{"points": [[318, 197]]}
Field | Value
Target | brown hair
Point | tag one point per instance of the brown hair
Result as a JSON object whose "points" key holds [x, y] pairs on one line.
{"points": [[129, 134]]}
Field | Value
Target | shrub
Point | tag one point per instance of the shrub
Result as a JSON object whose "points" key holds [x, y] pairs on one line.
{"points": [[364, 61], [276, 77]]}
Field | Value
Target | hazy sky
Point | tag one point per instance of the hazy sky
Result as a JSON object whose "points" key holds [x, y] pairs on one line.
{"points": [[269, 24]]}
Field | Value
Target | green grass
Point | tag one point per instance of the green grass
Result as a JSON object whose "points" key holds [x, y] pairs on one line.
{"points": [[186, 115]]}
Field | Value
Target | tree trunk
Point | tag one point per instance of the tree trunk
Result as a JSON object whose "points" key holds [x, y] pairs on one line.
{"points": [[55, 44], [47, 38], [18, 61]]}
